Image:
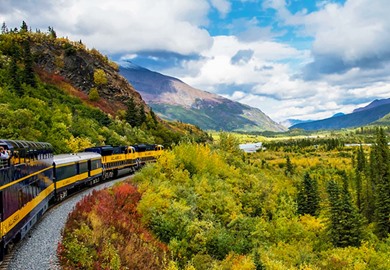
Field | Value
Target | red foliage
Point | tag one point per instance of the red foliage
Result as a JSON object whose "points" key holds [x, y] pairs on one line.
{"points": [[117, 211], [60, 82]]}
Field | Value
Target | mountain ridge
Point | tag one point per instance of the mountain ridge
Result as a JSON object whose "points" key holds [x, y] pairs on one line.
{"points": [[172, 99], [373, 104], [355, 119]]}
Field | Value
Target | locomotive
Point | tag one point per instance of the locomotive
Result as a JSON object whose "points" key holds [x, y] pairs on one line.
{"points": [[33, 178]]}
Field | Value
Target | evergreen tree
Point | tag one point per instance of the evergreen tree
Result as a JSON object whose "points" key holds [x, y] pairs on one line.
{"points": [[142, 115], [360, 168], [28, 73], [335, 226], [153, 115], [24, 27], [360, 160], [4, 28], [132, 113], [345, 221], [289, 167], [308, 198], [380, 175], [52, 33], [14, 76]]}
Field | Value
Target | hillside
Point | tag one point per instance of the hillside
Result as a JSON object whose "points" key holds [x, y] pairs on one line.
{"points": [[59, 91], [173, 99], [355, 119]]}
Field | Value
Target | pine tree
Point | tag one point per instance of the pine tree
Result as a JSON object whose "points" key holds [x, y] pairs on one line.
{"points": [[345, 221], [14, 76], [4, 28], [289, 167], [142, 115], [308, 198], [29, 75], [52, 33], [154, 117], [132, 113], [24, 27], [360, 168], [360, 160], [380, 175]]}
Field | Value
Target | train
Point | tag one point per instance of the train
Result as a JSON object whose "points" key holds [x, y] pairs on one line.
{"points": [[33, 178]]}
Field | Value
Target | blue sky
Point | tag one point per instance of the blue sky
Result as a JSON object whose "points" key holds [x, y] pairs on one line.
{"points": [[289, 58]]}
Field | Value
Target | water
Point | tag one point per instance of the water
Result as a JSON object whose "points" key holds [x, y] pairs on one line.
{"points": [[251, 147]]}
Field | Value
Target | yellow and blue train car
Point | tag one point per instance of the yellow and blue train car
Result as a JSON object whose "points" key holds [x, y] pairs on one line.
{"points": [[26, 187], [148, 152], [116, 158], [32, 178], [74, 170]]}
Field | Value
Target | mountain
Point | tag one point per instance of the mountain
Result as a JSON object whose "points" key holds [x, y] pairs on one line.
{"points": [[292, 122], [355, 119], [173, 99], [58, 91], [338, 114], [375, 103]]}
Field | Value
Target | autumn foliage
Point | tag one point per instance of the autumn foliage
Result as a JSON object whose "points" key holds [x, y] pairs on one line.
{"points": [[104, 232]]}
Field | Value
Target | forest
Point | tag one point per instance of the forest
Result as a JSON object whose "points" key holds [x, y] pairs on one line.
{"points": [[215, 207]]}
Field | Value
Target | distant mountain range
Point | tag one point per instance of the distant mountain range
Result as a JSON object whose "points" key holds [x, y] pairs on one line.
{"points": [[377, 112], [172, 99]]}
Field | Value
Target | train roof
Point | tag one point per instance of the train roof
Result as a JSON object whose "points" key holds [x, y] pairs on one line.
{"points": [[28, 145], [77, 157]]}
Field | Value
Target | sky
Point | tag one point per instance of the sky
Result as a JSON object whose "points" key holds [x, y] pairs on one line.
{"points": [[293, 59]]}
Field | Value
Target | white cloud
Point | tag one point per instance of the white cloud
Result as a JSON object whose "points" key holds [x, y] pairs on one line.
{"points": [[121, 25], [223, 6], [349, 59]]}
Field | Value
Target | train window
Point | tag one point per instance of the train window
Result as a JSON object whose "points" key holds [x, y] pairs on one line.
{"points": [[66, 171], [96, 164], [83, 167]]}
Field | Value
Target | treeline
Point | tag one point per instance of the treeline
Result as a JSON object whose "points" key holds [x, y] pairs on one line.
{"points": [[294, 144]]}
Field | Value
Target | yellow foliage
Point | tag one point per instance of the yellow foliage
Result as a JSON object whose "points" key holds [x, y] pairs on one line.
{"points": [[171, 266], [312, 223], [238, 262], [99, 77], [78, 144]]}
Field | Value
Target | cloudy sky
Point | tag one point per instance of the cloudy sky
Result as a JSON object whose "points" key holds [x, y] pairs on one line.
{"points": [[300, 59]]}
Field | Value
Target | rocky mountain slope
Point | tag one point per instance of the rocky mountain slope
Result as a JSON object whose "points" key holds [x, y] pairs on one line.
{"points": [[173, 99], [61, 61]]}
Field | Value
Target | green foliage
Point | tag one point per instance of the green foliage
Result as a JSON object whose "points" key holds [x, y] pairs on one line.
{"points": [[289, 167], [308, 198], [93, 94], [132, 113], [380, 174], [345, 221]]}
